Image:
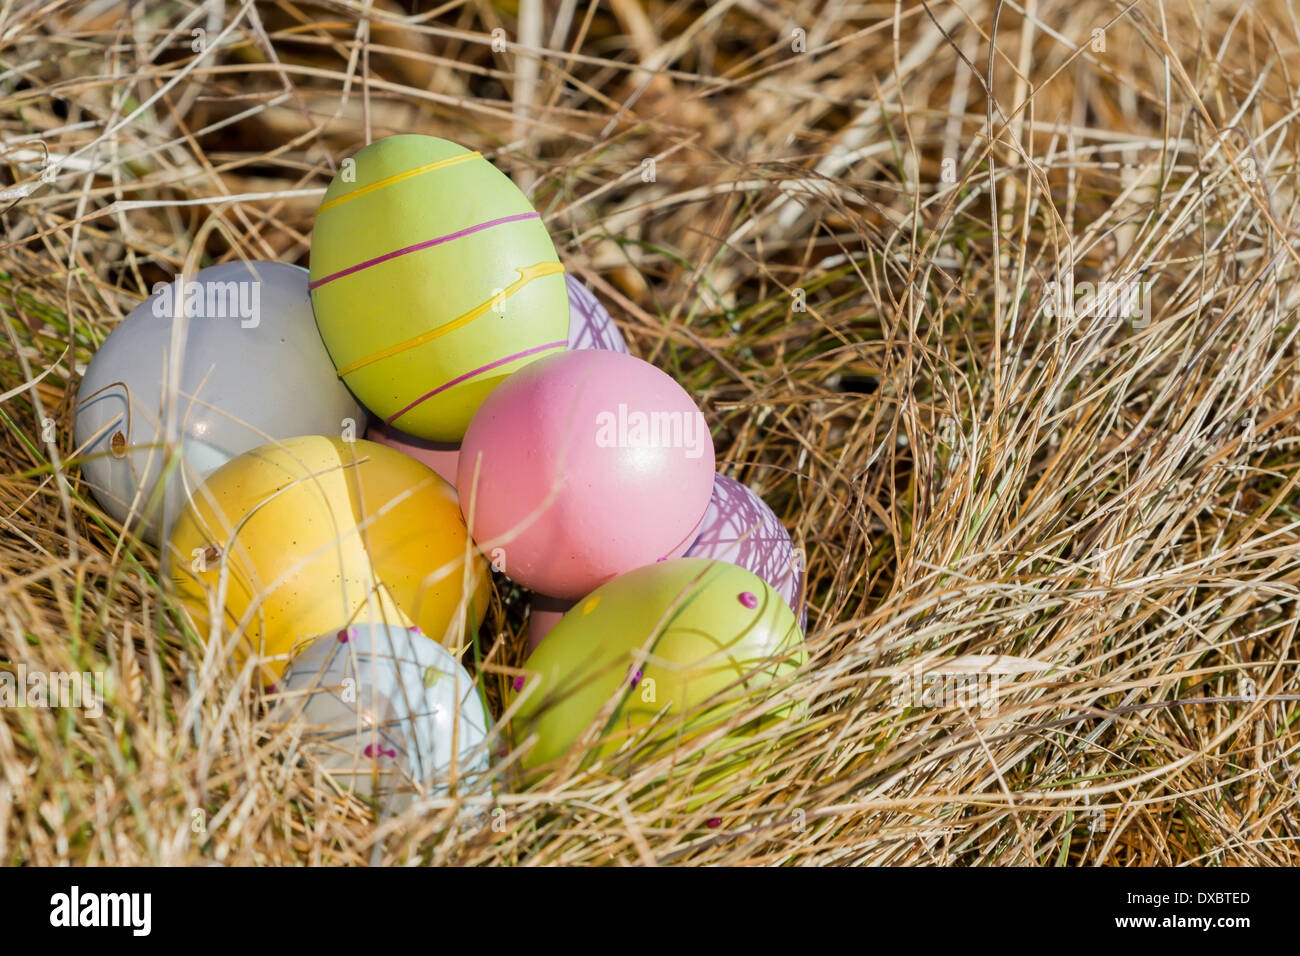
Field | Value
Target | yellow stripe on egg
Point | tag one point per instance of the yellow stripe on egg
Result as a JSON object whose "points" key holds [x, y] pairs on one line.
{"points": [[526, 275], [397, 178], [405, 279]]}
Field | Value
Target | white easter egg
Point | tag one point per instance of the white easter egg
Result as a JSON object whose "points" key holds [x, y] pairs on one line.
{"points": [[386, 710]]}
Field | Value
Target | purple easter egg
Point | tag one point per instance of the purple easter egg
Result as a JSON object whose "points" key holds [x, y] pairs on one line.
{"points": [[590, 324], [741, 529]]}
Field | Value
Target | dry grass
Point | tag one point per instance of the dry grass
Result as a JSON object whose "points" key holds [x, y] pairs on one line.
{"points": [[1100, 511]]}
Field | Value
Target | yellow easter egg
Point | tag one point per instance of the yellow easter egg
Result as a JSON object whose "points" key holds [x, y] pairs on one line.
{"points": [[432, 278], [305, 535], [682, 645]]}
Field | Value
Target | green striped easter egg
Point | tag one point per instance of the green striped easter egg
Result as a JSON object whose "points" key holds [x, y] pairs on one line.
{"points": [[432, 278]]}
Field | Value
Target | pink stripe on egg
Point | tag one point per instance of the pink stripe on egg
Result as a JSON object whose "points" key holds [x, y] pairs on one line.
{"points": [[422, 245], [477, 371]]}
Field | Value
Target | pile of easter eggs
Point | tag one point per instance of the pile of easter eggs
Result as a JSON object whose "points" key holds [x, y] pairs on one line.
{"points": [[335, 461]]}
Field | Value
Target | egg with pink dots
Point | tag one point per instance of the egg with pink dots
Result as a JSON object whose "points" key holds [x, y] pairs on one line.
{"points": [[386, 712]]}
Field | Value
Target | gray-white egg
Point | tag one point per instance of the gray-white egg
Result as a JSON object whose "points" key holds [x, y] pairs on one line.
{"points": [[383, 709], [248, 366]]}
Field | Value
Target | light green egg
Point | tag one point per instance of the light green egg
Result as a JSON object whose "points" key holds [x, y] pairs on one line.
{"points": [[715, 636], [432, 279]]}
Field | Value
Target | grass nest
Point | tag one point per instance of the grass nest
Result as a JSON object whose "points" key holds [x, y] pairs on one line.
{"points": [[994, 304]]}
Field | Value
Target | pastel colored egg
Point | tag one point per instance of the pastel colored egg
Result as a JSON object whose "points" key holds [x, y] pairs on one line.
{"points": [[433, 279], [590, 324], [739, 527], [440, 456], [292, 538], [590, 327], [583, 466], [682, 640], [250, 368], [386, 712]]}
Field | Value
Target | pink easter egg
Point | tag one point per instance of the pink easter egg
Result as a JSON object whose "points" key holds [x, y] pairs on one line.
{"points": [[590, 324], [440, 456], [588, 464], [741, 529]]}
